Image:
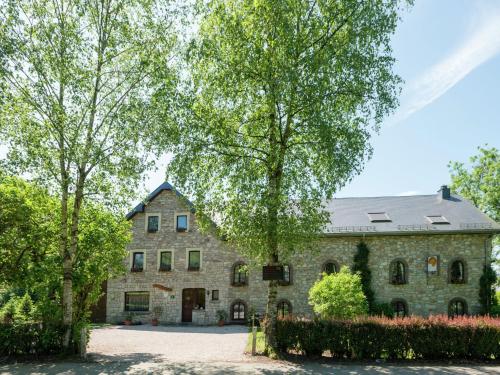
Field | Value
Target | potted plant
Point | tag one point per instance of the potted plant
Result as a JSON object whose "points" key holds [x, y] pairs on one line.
{"points": [[221, 316], [128, 319], [156, 315]]}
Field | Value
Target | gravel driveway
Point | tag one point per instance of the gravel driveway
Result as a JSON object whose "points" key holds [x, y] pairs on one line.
{"points": [[205, 351], [173, 343]]}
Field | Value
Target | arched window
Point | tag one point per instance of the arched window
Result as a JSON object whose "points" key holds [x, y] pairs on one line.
{"points": [[238, 311], [239, 274], [457, 272], [330, 267], [457, 307], [400, 308], [287, 275], [284, 308], [398, 272]]}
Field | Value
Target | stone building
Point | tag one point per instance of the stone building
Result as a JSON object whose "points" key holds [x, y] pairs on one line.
{"points": [[427, 253]]}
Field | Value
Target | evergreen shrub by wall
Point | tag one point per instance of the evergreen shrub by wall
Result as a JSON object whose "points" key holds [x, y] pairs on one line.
{"points": [[437, 337], [30, 339]]}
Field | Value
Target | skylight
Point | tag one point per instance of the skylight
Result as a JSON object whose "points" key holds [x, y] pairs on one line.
{"points": [[379, 217], [437, 219]]}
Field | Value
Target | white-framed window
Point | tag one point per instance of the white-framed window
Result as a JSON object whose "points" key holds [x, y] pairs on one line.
{"points": [[153, 222], [165, 260], [194, 259], [137, 260], [181, 222]]}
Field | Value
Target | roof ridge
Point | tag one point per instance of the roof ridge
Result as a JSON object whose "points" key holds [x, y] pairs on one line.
{"points": [[391, 196]]}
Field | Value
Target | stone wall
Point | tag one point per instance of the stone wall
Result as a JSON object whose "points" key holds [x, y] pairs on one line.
{"points": [[424, 294]]}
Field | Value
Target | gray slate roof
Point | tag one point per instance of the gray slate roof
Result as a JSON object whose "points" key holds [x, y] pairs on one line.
{"points": [[408, 214]]}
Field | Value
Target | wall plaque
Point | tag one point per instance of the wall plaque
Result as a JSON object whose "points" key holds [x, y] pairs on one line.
{"points": [[162, 287], [272, 273], [432, 264]]}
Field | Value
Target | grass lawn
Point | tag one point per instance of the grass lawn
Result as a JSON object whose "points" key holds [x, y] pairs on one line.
{"points": [[260, 343]]}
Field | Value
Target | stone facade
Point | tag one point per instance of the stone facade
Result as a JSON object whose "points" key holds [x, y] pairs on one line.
{"points": [[423, 294]]}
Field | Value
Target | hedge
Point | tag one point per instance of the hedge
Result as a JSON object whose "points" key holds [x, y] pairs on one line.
{"points": [[437, 337], [30, 339]]}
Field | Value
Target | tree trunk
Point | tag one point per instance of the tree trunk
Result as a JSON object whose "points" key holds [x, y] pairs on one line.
{"points": [[67, 296]]}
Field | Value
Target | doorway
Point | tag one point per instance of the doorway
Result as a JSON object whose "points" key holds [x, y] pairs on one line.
{"points": [[192, 298]]}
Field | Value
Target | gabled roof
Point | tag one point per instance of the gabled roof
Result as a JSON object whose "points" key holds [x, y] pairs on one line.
{"points": [[405, 214], [408, 214], [164, 186]]}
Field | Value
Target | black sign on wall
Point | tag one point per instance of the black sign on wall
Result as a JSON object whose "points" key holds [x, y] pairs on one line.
{"points": [[272, 273]]}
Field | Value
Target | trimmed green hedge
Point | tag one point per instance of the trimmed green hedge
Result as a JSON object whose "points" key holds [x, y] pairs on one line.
{"points": [[30, 339], [437, 337]]}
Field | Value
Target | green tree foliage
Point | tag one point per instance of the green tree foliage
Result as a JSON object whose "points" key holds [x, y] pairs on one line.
{"points": [[361, 267], [339, 295], [28, 226], [487, 290], [81, 79], [34, 290], [480, 182], [285, 94]]}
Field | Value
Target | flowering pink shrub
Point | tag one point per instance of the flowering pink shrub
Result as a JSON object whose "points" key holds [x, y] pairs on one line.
{"points": [[436, 337]]}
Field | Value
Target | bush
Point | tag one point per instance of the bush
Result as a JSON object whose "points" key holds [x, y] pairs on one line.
{"points": [[437, 337], [30, 339], [339, 295], [383, 309]]}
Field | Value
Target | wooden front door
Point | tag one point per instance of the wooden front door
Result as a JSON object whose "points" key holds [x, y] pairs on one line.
{"points": [[191, 298]]}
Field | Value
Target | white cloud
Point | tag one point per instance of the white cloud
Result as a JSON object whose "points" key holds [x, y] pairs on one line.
{"points": [[480, 45], [409, 192]]}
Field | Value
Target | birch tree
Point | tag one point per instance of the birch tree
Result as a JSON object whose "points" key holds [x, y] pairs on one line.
{"points": [[81, 79], [285, 97]]}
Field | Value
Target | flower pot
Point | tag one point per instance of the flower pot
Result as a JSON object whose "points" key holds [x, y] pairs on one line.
{"points": [[154, 322], [221, 323], [127, 322]]}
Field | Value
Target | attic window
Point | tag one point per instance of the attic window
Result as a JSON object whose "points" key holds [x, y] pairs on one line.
{"points": [[437, 219], [379, 217]]}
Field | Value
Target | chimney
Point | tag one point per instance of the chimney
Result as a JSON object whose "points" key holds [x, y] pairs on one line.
{"points": [[444, 192]]}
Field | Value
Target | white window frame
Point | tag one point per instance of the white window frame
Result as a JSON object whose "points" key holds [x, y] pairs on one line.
{"points": [[147, 219], [181, 213], [131, 259], [187, 257], [158, 259]]}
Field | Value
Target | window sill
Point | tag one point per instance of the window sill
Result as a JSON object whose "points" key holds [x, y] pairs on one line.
{"points": [[239, 284], [402, 283], [164, 270], [193, 269], [458, 282], [136, 270], [181, 230]]}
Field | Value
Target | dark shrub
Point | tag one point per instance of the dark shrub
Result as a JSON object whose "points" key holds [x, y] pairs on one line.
{"points": [[438, 337], [30, 338]]}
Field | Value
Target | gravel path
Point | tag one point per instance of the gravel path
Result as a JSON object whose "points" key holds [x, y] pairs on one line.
{"points": [[207, 351], [173, 343]]}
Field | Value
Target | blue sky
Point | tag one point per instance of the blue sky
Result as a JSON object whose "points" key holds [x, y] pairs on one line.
{"points": [[448, 53]]}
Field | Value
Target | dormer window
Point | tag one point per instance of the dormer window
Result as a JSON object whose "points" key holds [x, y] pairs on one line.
{"points": [[181, 223], [153, 223], [379, 217], [437, 219]]}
